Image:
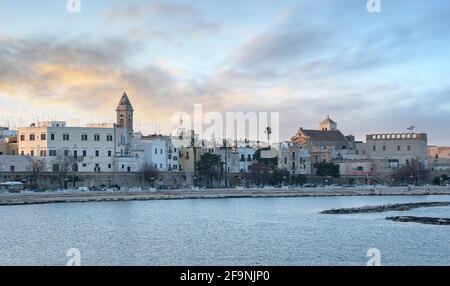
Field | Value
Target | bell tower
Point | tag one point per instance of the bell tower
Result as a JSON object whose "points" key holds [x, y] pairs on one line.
{"points": [[124, 112], [328, 125]]}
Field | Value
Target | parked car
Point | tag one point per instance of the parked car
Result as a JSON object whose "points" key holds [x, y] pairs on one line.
{"points": [[309, 186], [83, 189]]}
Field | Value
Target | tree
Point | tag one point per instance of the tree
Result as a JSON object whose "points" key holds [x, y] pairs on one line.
{"points": [[299, 179], [268, 132], [437, 181], [279, 176], [271, 163], [209, 166], [37, 166], [63, 163], [414, 172], [259, 173], [149, 173], [327, 169]]}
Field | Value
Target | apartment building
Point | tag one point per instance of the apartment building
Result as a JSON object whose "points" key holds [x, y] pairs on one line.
{"points": [[92, 147]]}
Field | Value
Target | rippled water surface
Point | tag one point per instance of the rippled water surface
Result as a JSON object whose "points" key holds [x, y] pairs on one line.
{"points": [[247, 231]]}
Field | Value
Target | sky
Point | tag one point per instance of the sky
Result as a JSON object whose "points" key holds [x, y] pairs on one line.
{"points": [[371, 72]]}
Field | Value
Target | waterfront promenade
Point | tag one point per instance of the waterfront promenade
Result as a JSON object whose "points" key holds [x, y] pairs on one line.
{"points": [[72, 197]]}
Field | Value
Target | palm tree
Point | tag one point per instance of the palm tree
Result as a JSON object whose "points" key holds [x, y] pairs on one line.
{"points": [[268, 132]]}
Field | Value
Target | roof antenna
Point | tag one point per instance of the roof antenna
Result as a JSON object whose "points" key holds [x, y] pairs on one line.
{"points": [[411, 128]]}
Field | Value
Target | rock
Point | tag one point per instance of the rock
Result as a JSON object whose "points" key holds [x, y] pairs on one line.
{"points": [[424, 220], [385, 208]]}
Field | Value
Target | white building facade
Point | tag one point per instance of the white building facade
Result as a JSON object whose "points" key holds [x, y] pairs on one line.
{"points": [[92, 148]]}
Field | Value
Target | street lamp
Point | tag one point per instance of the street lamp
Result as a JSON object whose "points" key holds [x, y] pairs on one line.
{"points": [[152, 182], [195, 181]]}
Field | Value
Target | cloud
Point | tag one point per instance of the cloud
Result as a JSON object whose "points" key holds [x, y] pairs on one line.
{"points": [[370, 74], [162, 20]]}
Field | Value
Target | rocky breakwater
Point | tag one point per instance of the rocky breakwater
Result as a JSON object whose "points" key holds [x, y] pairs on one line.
{"points": [[424, 220], [385, 208]]}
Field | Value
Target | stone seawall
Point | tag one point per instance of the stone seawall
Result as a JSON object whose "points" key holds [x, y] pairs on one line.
{"points": [[71, 197], [50, 180]]}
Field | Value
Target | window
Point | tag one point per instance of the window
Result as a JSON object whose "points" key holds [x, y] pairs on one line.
{"points": [[43, 136], [384, 147], [293, 165], [285, 160], [22, 153], [97, 153], [43, 153], [409, 147], [12, 168], [160, 166], [109, 166], [84, 137], [175, 167], [75, 154], [109, 138], [161, 151], [84, 165], [123, 166], [66, 137], [52, 153], [32, 152], [32, 137], [22, 137], [109, 153], [374, 148], [156, 151], [52, 136], [66, 153], [398, 148], [84, 153], [96, 137], [55, 167]]}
